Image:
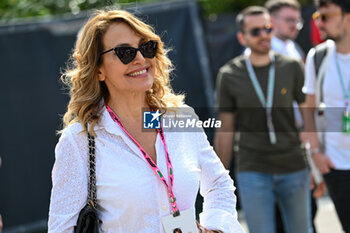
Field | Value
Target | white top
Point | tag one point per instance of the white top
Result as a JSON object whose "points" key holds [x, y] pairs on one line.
{"points": [[337, 144], [131, 198], [287, 48]]}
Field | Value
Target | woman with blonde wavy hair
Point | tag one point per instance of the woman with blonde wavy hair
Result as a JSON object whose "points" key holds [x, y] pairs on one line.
{"points": [[144, 178]]}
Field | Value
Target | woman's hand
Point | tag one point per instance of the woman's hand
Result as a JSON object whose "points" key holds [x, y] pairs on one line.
{"points": [[205, 230]]}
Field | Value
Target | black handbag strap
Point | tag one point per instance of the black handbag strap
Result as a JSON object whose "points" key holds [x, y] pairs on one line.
{"points": [[92, 199]]}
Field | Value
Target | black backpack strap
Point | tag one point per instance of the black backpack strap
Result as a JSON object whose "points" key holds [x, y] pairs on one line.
{"points": [[320, 54]]}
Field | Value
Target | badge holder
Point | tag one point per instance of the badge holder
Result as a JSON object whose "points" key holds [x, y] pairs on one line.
{"points": [[183, 223], [346, 120], [271, 128]]}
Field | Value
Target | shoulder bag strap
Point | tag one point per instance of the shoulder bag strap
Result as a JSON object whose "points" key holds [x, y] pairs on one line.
{"points": [[92, 172]]}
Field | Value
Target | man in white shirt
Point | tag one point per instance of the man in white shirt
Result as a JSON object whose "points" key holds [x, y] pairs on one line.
{"points": [[287, 22], [330, 90]]}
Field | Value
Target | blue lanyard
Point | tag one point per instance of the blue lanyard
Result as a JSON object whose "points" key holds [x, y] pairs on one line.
{"points": [[265, 102], [346, 93]]}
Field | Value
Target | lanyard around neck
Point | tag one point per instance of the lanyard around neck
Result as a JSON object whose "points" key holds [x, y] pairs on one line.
{"points": [[174, 209], [346, 92], [265, 102], [268, 101]]}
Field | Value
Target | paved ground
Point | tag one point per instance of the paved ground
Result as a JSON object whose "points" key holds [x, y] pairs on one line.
{"points": [[326, 218]]}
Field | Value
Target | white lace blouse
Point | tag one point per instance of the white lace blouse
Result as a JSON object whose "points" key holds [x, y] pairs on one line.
{"points": [[131, 198]]}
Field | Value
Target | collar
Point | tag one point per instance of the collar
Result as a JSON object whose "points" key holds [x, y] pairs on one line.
{"points": [[278, 44], [107, 123]]}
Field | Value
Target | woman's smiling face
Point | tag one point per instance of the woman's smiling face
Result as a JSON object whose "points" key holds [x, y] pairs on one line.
{"points": [[136, 76]]}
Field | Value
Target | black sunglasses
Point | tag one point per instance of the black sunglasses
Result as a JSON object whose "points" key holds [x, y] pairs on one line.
{"points": [[324, 17], [128, 54], [257, 31]]}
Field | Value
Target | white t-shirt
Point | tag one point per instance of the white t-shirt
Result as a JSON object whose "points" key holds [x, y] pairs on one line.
{"points": [[337, 144]]}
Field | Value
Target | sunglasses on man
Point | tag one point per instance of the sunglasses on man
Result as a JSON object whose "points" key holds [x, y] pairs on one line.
{"points": [[128, 54], [324, 17], [255, 32]]}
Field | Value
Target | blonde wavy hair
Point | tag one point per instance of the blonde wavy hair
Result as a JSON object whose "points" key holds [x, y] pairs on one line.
{"points": [[81, 76]]}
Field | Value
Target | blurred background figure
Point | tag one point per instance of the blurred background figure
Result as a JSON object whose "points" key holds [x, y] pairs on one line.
{"points": [[327, 86], [287, 22], [255, 99]]}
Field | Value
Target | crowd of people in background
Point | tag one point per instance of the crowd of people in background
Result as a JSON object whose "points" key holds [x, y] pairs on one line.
{"points": [[256, 92], [271, 142]]}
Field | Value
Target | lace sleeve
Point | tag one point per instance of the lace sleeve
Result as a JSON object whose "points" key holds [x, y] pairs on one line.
{"points": [[219, 207], [69, 182]]}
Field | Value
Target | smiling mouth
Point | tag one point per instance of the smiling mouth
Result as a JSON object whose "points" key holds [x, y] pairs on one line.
{"points": [[138, 73]]}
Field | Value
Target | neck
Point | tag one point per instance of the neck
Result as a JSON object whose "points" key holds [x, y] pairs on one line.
{"points": [[259, 59], [343, 46], [128, 107]]}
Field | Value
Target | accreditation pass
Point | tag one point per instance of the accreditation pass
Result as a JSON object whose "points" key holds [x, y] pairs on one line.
{"points": [[184, 223]]}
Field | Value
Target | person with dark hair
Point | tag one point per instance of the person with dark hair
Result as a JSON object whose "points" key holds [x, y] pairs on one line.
{"points": [[146, 181], [255, 95], [327, 88]]}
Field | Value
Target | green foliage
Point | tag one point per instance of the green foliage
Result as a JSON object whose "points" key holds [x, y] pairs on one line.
{"points": [[29, 8], [220, 6]]}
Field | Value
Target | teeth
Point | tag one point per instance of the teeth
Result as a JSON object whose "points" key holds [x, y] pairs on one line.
{"points": [[138, 73]]}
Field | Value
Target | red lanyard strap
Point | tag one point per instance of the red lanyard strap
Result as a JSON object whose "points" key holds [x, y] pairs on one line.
{"points": [[175, 211]]}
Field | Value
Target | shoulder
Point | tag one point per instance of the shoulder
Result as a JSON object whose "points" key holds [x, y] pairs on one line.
{"points": [[73, 130], [71, 136], [71, 150], [233, 65], [282, 60], [321, 48], [232, 70], [325, 45]]}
